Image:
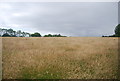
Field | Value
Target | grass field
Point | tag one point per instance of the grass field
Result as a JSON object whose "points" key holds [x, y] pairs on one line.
{"points": [[0, 58], [60, 58]]}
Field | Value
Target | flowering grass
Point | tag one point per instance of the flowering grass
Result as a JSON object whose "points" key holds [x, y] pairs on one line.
{"points": [[60, 58]]}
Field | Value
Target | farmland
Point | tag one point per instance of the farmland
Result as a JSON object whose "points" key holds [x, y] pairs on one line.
{"points": [[60, 58]]}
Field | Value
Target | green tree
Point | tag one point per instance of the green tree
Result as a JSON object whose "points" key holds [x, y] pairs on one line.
{"points": [[117, 30], [0, 32], [59, 35], [19, 33], [36, 34], [6, 35], [23, 34], [10, 31], [55, 35], [49, 35], [14, 34]]}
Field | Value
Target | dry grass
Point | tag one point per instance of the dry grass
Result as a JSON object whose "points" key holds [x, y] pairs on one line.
{"points": [[60, 58], [0, 58]]}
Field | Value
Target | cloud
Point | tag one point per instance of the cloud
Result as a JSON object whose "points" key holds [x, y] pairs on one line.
{"points": [[67, 18], [59, 0]]}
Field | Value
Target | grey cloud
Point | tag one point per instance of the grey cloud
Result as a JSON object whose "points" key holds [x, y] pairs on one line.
{"points": [[72, 19]]}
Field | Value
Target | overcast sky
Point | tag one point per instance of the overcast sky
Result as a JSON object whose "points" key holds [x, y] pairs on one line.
{"points": [[67, 18]]}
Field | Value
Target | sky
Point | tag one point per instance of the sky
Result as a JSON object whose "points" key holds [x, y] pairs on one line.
{"points": [[119, 12], [78, 19]]}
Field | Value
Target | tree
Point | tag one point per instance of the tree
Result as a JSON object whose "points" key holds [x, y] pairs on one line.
{"points": [[59, 35], [23, 34], [27, 34], [14, 34], [19, 33], [45, 35], [0, 32], [36, 34], [6, 35], [117, 30], [10, 31], [49, 35], [55, 35], [4, 31]]}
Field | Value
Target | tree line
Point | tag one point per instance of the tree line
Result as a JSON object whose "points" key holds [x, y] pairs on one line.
{"points": [[117, 32], [12, 33]]}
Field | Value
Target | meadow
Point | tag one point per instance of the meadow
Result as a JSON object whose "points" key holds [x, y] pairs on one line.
{"points": [[60, 57], [0, 58]]}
